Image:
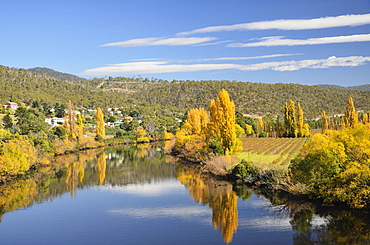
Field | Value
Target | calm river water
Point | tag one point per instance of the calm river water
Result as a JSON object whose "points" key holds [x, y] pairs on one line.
{"points": [[137, 195]]}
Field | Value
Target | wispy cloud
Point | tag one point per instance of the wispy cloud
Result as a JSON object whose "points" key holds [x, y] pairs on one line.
{"points": [[281, 41], [160, 41], [293, 24], [155, 67], [238, 58]]}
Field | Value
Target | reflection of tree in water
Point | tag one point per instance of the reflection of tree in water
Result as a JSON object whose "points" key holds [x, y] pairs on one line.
{"points": [[220, 197], [17, 195], [117, 166], [102, 165], [324, 225], [340, 227]]}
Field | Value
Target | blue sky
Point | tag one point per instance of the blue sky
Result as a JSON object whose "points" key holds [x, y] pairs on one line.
{"points": [[268, 41]]}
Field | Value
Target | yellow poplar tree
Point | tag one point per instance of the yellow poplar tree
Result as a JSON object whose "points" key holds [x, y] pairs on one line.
{"points": [[100, 126], [325, 121], [71, 121], [350, 117], [290, 120], [300, 121], [365, 118], [79, 126], [192, 139], [260, 125], [222, 121]]}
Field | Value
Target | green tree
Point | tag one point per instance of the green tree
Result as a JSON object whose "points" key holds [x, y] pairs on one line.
{"points": [[8, 121]]}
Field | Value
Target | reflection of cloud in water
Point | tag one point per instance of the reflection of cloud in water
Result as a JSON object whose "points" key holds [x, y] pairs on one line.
{"points": [[146, 189], [190, 212], [264, 224]]}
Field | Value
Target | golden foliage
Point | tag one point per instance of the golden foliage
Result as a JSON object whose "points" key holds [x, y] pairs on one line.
{"points": [[17, 156], [222, 121], [350, 118], [100, 126], [336, 166]]}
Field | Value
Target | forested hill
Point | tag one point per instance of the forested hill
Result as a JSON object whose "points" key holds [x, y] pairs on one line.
{"points": [[250, 98], [56, 74], [21, 85], [256, 98]]}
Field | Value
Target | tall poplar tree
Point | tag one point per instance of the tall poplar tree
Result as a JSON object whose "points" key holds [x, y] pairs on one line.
{"points": [[222, 121], [300, 121], [325, 121], [79, 126], [290, 120], [71, 121], [350, 117], [100, 126]]}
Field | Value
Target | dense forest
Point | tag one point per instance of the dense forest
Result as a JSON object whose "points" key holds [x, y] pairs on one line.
{"points": [[256, 99]]}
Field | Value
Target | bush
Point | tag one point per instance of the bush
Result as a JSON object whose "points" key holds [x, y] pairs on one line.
{"points": [[216, 147], [243, 169], [262, 135]]}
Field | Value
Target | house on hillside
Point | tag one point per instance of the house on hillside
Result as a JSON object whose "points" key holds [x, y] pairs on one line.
{"points": [[55, 121], [10, 105]]}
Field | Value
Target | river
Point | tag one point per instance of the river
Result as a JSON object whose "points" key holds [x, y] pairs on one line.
{"points": [[138, 195]]}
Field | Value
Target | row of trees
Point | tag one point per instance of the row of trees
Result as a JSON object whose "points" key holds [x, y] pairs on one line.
{"points": [[202, 134]]}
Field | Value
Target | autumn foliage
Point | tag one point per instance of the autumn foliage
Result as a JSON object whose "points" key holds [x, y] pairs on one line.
{"points": [[335, 165], [201, 134]]}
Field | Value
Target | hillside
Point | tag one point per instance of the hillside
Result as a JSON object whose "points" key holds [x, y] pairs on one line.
{"points": [[256, 98], [250, 98], [57, 75], [21, 85], [364, 87]]}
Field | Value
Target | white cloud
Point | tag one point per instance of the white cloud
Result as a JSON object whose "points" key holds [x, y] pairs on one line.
{"points": [[156, 41], [281, 41], [155, 67], [294, 24], [238, 58]]}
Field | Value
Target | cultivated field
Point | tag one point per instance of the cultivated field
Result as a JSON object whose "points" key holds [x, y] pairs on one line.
{"points": [[271, 152]]}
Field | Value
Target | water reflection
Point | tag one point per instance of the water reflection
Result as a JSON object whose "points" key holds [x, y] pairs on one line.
{"points": [[145, 171], [219, 196]]}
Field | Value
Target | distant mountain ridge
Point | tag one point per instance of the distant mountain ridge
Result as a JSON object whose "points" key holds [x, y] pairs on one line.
{"points": [[57, 75], [363, 87]]}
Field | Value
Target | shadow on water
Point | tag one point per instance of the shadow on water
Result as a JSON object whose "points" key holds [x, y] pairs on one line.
{"points": [[125, 165]]}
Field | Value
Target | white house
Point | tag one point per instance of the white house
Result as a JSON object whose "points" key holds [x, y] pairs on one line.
{"points": [[10, 105], [55, 121]]}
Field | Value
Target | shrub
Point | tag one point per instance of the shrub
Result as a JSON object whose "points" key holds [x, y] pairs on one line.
{"points": [[243, 169], [216, 147]]}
